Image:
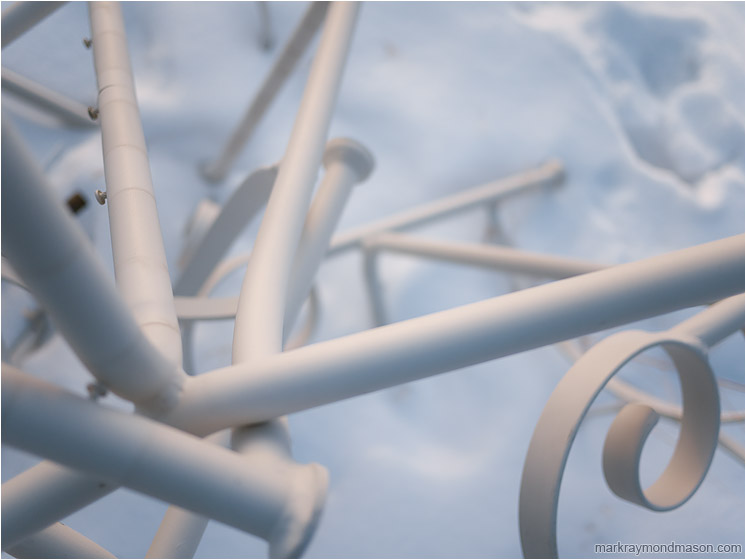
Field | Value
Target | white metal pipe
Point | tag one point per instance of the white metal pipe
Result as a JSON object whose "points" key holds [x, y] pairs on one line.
{"points": [[716, 322], [283, 67], [179, 534], [137, 242], [468, 199], [402, 352], [19, 17], [258, 329], [58, 541], [262, 498], [44, 494], [266, 37], [237, 211], [68, 110], [373, 288], [550, 173], [487, 256], [261, 305], [57, 262], [347, 163], [181, 530], [399, 353]]}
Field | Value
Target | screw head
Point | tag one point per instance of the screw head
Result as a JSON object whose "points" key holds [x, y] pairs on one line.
{"points": [[100, 196], [87, 42], [93, 113], [351, 153]]}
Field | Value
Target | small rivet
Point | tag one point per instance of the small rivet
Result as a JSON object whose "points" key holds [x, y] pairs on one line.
{"points": [[96, 390], [87, 42], [100, 196], [93, 113]]}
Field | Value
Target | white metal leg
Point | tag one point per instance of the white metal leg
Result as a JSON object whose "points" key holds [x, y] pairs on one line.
{"points": [[261, 498], [261, 306], [44, 494], [448, 340], [181, 530], [19, 17], [58, 541], [245, 203], [60, 267], [283, 67], [69, 111], [551, 173], [487, 256], [136, 239], [347, 163]]}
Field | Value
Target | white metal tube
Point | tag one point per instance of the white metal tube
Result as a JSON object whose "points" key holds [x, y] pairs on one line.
{"points": [[373, 288], [473, 197], [261, 305], [58, 541], [179, 534], [19, 17], [347, 163], [44, 494], [152, 458], [550, 173], [452, 339], [283, 67], [237, 211], [57, 262], [181, 530], [258, 329], [488, 256], [137, 242], [70, 111], [716, 322]]}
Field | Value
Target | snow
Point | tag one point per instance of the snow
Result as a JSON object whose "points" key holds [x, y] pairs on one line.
{"points": [[642, 102]]}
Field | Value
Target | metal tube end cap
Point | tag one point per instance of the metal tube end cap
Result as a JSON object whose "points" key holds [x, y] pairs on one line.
{"points": [[302, 512], [351, 153]]}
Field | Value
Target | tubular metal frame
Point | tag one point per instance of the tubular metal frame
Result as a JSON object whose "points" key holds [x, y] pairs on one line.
{"points": [[129, 337]]}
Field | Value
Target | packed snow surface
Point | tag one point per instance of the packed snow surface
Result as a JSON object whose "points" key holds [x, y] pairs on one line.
{"points": [[642, 102]]}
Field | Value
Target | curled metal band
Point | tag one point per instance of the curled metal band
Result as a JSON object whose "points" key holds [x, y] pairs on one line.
{"points": [[570, 402]]}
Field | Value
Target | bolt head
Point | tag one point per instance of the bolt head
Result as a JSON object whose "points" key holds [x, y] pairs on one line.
{"points": [[100, 196], [350, 153]]}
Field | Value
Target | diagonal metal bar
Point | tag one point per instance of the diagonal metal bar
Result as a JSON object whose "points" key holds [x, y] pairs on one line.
{"points": [[283, 67], [19, 17], [136, 239], [58, 541], [57, 262], [353, 365], [68, 110]]}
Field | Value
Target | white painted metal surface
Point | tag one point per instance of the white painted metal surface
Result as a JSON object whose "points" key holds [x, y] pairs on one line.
{"points": [[19, 17], [130, 339], [137, 242]]}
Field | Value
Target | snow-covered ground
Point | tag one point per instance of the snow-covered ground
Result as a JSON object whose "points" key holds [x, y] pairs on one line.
{"points": [[642, 102]]}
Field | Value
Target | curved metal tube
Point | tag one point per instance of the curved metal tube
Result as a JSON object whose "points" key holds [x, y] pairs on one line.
{"points": [[259, 321], [238, 210], [550, 444]]}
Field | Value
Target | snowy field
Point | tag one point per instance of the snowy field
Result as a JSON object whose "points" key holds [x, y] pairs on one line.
{"points": [[642, 102]]}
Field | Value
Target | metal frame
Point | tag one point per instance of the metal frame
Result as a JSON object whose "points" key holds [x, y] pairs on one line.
{"points": [[129, 336]]}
